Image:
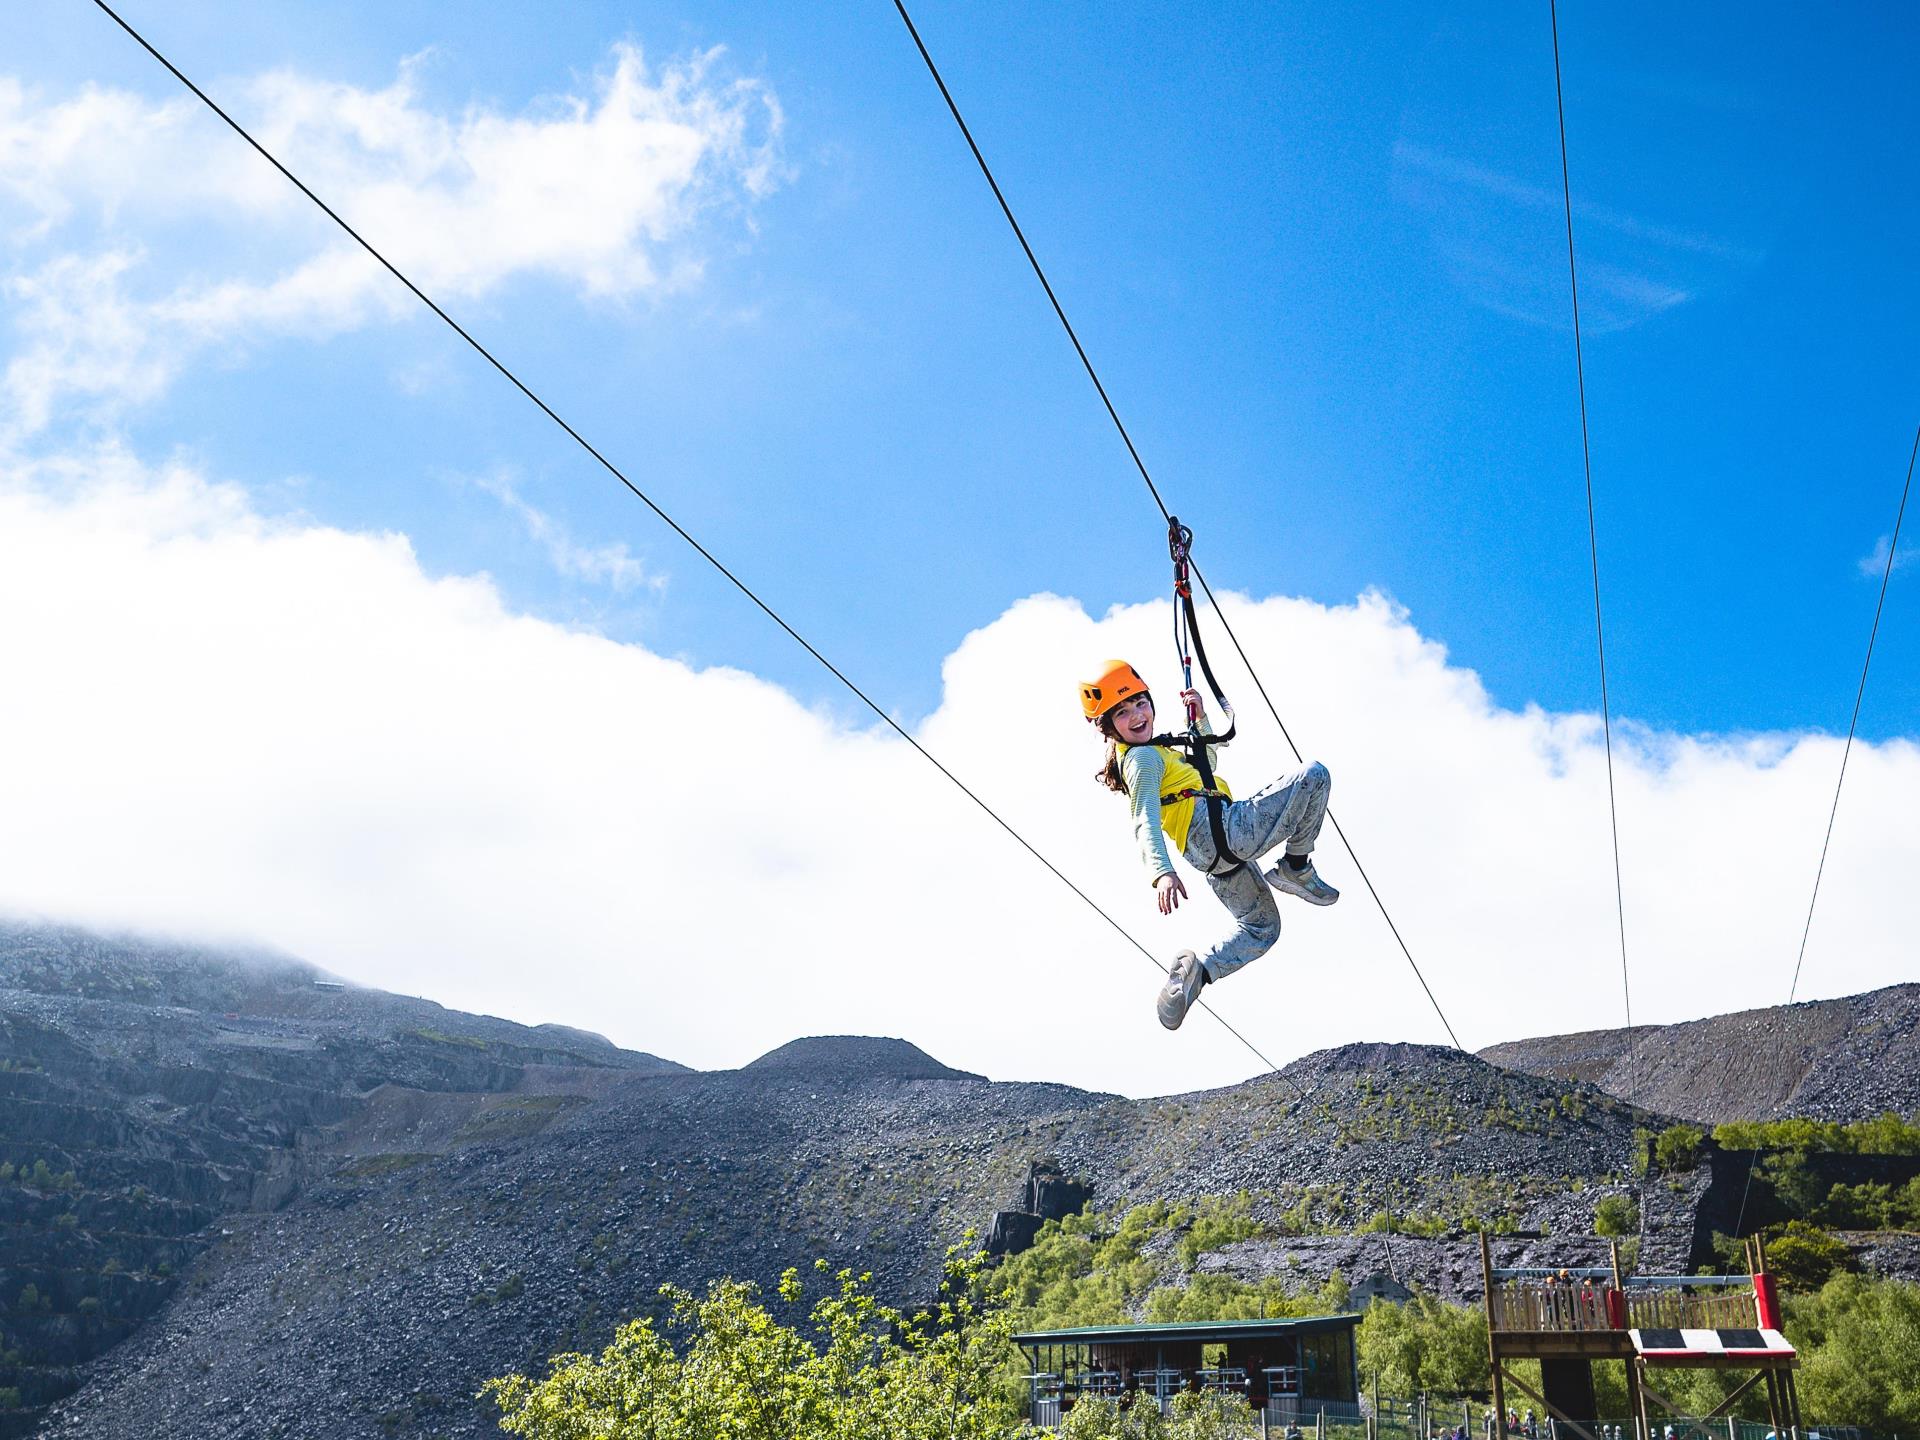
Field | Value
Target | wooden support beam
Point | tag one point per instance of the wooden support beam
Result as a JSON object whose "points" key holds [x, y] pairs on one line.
{"points": [[1551, 1409], [1493, 1352], [1691, 1425], [1726, 1405], [1647, 1389]]}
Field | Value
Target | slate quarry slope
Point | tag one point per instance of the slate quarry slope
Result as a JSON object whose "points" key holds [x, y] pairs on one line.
{"points": [[378, 1301], [147, 1090], [303, 1210], [1846, 1059]]}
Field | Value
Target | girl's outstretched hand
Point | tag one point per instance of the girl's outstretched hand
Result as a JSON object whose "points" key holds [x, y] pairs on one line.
{"points": [[1196, 707], [1169, 892]]}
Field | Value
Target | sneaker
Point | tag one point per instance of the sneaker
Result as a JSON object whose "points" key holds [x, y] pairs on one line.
{"points": [[1306, 883], [1182, 989]]}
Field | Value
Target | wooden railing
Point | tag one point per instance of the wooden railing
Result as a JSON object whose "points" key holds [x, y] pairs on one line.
{"points": [[1533, 1306], [1674, 1310]]}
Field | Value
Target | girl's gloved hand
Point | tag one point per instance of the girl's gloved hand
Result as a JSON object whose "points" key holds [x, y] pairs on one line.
{"points": [[1169, 892], [1196, 707]]}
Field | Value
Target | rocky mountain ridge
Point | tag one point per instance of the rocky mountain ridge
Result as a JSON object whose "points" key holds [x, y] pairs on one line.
{"points": [[305, 1209], [1846, 1059]]}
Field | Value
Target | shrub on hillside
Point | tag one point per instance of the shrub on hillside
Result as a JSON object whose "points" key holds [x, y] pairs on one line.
{"points": [[1886, 1134], [1677, 1148], [1616, 1216], [1861, 1340], [1194, 1417], [859, 1370], [1804, 1257], [1425, 1344], [1091, 1269], [1217, 1223]]}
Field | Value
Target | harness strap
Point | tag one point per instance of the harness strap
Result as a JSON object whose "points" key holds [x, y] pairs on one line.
{"points": [[1225, 862], [1186, 631]]}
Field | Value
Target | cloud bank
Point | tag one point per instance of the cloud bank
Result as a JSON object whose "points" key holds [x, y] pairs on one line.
{"points": [[599, 192], [222, 724]]}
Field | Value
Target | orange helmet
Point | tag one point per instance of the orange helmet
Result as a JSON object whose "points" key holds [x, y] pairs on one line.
{"points": [[1118, 681]]}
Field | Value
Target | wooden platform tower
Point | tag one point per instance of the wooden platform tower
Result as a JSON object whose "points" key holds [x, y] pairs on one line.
{"points": [[1567, 1319]]}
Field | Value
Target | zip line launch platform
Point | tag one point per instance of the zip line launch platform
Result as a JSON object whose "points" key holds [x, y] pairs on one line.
{"points": [[1567, 1319]]}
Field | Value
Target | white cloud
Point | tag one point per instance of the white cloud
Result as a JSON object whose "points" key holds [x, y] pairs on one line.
{"points": [[222, 724], [1875, 565], [611, 564], [1496, 234], [604, 193]]}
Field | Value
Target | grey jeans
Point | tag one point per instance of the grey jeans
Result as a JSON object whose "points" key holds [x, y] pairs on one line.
{"points": [[1288, 812]]}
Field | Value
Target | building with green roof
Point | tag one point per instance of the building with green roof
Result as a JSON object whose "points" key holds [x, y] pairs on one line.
{"points": [[1292, 1369]]}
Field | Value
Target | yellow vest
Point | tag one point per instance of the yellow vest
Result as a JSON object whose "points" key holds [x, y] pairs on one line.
{"points": [[1176, 813]]}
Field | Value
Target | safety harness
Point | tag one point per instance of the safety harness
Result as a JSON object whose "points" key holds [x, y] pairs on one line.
{"points": [[1187, 641]]}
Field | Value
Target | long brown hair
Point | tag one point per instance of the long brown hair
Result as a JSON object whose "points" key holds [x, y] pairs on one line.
{"points": [[1109, 772]]}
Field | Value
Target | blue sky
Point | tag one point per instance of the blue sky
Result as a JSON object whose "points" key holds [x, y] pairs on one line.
{"points": [[1317, 253], [1310, 250]]}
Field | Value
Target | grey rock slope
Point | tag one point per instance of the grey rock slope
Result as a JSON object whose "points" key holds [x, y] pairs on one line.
{"points": [[147, 1090], [378, 1301], [302, 1211], [1846, 1059]]}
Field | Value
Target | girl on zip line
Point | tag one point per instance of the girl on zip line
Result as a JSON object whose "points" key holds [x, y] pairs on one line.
{"points": [[1164, 790]]}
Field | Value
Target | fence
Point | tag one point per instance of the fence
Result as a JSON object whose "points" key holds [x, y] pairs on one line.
{"points": [[1533, 1307], [1671, 1310], [1553, 1307], [1282, 1416], [1723, 1427]]}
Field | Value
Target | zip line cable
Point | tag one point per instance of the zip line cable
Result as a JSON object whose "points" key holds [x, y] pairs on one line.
{"points": [[1593, 547], [1853, 725], [1860, 694], [668, 520], [1139, 464]]}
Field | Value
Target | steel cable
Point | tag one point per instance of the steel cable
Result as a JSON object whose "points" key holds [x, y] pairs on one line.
{"points": [[1846, 753], [1139, 464], [668, 520], [1593, 549]]}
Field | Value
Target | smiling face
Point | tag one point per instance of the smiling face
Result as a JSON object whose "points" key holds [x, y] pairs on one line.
{"points": [[1132, 719]]}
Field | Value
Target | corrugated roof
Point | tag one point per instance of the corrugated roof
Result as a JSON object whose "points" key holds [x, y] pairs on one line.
{"points": [[1191, 1330]]}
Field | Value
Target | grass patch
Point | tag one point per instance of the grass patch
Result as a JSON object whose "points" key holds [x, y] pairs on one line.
{"points": [[514, 1118], [440, 1037]]}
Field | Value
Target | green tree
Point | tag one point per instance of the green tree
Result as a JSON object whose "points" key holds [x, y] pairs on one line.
{"points": [[1194, 1417], [1222, 1297], [1804, 1257], [1858, 1207], [1861, 1342], [1425, 1344], [1218, 1223], [1886, 1134], [1616, 1216], [1677, 1148], [1085, 1269], [860, 1371], [1794, 1183]]}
